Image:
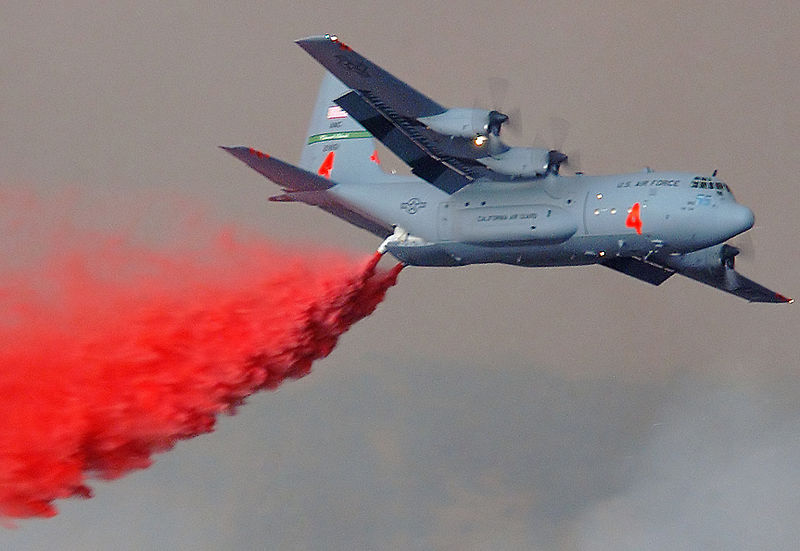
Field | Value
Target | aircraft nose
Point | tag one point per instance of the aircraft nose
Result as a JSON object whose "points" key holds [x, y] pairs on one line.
{"points": [[741, 219]]}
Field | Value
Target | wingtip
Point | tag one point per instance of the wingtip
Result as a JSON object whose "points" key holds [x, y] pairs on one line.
{"points": [[782, 298], [317, 38]]}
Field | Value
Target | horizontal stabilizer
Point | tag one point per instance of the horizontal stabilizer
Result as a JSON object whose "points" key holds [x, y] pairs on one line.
{"points": [[303, 187], [284, 174]]}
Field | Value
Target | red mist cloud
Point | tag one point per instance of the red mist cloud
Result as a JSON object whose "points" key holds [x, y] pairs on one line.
{"points": [[111, 352]]}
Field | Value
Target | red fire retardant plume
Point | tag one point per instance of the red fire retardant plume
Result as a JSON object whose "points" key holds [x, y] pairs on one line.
{"points": [[111, 353]]}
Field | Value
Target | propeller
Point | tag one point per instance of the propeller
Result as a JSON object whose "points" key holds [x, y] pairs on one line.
{"points": [[744, 242], [558, 131], [555, 159], [728, 255], [498, 94], [498, 119]]}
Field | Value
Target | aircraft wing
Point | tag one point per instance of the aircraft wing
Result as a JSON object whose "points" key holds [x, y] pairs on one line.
{"points": [[721, 276], [360, 74], [389, 108]]}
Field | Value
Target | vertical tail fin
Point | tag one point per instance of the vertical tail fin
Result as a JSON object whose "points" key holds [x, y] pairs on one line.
{"points": [[337, 146]]}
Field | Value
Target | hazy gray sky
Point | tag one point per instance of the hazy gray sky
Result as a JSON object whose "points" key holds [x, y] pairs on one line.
{"points": [[482, 407]]}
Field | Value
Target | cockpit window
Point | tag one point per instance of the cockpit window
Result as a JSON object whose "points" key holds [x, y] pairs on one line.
{"points": [[704, 182]]}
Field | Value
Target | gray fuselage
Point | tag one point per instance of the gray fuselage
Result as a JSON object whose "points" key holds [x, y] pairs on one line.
{"points": [[551, 221]]}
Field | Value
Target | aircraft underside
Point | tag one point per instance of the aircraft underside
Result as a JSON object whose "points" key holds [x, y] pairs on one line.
{"points": [[577, 251]]}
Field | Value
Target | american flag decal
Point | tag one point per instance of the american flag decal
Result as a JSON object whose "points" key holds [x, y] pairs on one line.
{"points": [[336, 112]]}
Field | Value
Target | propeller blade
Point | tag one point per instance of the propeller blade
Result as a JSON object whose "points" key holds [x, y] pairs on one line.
{"points": [[559, 130], [498, 94], [555, 159], [498, 91], [514, 124], [538, 141], [496, 120], [744, 242], [574, 160], [729, 254]]}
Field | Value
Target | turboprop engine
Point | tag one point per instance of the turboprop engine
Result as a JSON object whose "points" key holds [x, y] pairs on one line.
{"points": [[713, 260], [482, 127], [467, 123]]}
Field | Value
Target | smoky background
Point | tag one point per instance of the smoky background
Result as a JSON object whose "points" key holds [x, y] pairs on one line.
{"points": [[480, 407]]}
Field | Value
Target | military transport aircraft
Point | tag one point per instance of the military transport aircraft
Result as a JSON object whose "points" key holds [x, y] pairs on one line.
{"points": [[473, 199]]}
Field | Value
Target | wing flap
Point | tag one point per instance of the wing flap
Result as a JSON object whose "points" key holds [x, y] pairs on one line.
{"points": [[638, 268]]}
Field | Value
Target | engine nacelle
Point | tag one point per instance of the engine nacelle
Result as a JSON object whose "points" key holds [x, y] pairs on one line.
{"points": [[524, 162], [459, 121], [714, 259]]}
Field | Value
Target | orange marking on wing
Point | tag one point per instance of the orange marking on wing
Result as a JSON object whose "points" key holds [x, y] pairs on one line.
{"points": [[374, 157], [326, 166], [634, 220]]}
